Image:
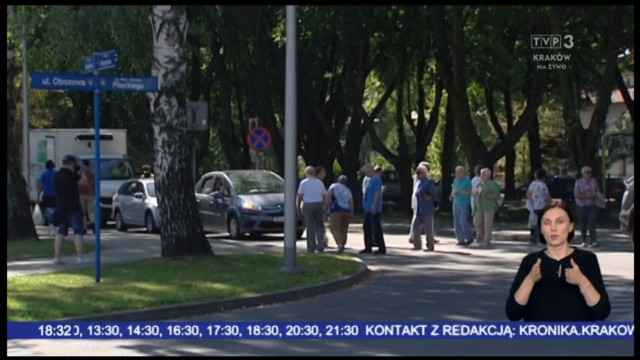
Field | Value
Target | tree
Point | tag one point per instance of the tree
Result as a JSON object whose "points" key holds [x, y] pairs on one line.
{"points": [[19, 220], [453, 53], [182, 231]]}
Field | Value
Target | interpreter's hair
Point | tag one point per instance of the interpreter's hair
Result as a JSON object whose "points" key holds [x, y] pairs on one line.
{"points": [[342, 179], [558, 205], [310, 170], [319, 169], [49, 165], [541, 174]]}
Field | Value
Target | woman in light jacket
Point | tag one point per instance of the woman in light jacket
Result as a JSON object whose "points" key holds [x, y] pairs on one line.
{"points": [[486, 205]]}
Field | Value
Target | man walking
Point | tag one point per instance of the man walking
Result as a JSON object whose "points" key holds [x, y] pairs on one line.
{"points": [[311, 199], [461, 198], [372, 204], [414, 200], [321, 173], [426, 197], [476, 186], [87, 194], [45, 187], [65, 182], [340, 204]]}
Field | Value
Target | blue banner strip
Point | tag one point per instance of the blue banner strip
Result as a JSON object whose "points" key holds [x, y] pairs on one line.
{"points": [[317, 330]]}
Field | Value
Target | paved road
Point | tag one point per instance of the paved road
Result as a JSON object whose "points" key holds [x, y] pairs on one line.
{"points": [[451, 284]]}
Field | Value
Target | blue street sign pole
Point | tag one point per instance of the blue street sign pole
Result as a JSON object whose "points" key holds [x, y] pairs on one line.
{"points": [[90, 80], [96, 124]]}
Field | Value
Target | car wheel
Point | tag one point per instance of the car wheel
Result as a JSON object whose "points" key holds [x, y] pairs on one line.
{"points": [[120, 225], [233, 226], [150, 224], [299, 234]]}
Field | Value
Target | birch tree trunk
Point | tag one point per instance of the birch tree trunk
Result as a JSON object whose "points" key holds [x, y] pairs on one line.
{"points": [[19, 220], [182, 232]]}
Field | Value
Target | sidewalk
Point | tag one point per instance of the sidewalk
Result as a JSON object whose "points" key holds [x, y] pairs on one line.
{"points": [[135, 245]]}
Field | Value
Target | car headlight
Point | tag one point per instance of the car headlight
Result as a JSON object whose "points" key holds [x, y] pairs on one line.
{"points": [[248, 205]]}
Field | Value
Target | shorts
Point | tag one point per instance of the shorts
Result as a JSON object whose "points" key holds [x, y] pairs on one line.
{"points": [[48, 202], [75, 220]]}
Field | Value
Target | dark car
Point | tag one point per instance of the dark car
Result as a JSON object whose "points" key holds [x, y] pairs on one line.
{"points": [[560, 187], [243, 201], [627, 210], [615, 188], [392, 188]]}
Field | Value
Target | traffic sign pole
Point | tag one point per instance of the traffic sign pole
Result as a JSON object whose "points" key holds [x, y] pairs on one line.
{"points": [[90, 80], [97, 219]]}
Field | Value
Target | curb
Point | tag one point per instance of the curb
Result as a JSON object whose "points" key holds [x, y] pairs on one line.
{"points": [[209, 307]]}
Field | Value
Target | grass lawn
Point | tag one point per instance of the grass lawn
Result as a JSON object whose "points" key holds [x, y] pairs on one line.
{"points": [[155, 282], [41, 248]]}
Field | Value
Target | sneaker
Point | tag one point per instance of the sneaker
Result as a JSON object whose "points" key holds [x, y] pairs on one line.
{"points": [[429, 250], [79, 260], [595, 244], [584, 244], [462, 244], [340, 249], [57, 261]]}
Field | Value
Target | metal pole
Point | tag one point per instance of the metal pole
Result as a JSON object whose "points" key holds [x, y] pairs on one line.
{"points": [[25, 104], [96, 118], [290, 147]]}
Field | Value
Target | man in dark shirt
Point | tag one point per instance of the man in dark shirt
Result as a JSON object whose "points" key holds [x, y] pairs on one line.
{"points": [[65, 183]]}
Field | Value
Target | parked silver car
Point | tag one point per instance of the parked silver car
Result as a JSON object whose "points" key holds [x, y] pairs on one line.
{"points": [[627, 209], [241, 202], [136, 204]]}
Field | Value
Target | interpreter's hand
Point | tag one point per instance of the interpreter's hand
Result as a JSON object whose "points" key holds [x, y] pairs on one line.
{"points": [[573, 274], [535, 274]]}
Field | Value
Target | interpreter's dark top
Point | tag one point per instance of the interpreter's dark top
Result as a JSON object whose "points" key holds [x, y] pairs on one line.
{"points": [[552, 297], [65, 182]]}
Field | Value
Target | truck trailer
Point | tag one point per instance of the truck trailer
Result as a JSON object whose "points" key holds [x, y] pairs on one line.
{"points": [[55, 144]]}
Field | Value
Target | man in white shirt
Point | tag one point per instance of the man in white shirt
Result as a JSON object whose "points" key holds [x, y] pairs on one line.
{"points": [[321, 173], [476, 185], [311, 199]]}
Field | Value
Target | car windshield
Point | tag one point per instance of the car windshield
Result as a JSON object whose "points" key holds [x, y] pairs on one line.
{"points": [[256, 182], [114, 169], [151, 190]]}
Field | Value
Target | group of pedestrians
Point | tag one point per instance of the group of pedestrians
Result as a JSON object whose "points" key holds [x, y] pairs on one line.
{"points": [[475, 202], [315, 202], [68, 200], [588, 198]]}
